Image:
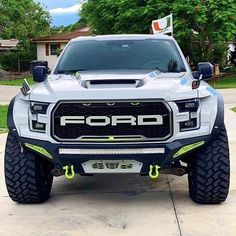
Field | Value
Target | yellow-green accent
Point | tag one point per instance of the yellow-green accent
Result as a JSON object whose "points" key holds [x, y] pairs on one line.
{"points": [[39, 150], [69, 171], [188, 148], [154, 171], [110, 139], [135, 103]]}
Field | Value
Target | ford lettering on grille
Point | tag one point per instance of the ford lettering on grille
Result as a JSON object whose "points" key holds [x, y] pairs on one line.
{"points": [[113, 121], [74, 121]]}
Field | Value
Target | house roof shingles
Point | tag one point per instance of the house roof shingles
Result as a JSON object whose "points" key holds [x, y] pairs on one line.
{"points": [[67, 36], [8, 44]]}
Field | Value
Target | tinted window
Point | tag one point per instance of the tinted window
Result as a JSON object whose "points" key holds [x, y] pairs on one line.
{"points": [[121, 54]]}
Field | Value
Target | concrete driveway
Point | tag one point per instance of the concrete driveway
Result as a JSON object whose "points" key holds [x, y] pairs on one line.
{"points": [[122, 205], [7, 93]]}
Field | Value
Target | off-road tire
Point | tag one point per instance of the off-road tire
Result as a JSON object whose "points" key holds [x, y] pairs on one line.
{"points": [[25, 176], [209, 171]]}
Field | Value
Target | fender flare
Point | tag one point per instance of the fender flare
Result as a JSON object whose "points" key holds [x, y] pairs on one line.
{"points": [[219, 121], [10, 118]]}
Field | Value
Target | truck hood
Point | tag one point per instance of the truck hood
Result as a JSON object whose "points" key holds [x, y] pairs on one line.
{"points": [[110, 85]]}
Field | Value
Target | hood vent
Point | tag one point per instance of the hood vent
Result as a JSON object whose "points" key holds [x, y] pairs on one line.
{"points": [[114, 83], [118, 81]]}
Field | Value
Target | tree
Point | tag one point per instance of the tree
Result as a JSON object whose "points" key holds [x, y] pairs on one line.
{"points": [[201, 27], [204, 27], [22, 20], [70, 28]]}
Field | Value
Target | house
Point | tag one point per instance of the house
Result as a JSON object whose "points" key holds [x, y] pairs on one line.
{"points": [[7, 45], [232, 46], [48, 47]]}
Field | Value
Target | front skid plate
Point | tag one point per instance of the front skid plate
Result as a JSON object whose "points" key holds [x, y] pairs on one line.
{"points": [[112, 166]]}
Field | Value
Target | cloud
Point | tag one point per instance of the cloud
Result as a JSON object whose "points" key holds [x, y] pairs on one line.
{"points": [[68, 10]]}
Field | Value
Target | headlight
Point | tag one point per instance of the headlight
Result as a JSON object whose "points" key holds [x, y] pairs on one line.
{"points": [[191, 106], [38, 108]]}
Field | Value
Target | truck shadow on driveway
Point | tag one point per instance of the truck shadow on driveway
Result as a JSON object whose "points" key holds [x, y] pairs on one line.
{"points": [[127, 186]]}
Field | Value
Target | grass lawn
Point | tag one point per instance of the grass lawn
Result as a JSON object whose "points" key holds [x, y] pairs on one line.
{"points": [[3, 118], [17, 82], [224, 83]]}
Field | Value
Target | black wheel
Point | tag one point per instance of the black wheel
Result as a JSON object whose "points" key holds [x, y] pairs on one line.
{"points": [[209, 171], [28, 178]]}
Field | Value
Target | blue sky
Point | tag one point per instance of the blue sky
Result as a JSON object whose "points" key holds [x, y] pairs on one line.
{"points": [[64, 12]]}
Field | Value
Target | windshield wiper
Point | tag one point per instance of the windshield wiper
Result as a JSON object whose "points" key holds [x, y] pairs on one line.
{"points": [[68, 72]]}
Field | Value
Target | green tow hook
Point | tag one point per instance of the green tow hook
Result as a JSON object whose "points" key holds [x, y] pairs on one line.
{"points": [[69, 171], [154, 171]]}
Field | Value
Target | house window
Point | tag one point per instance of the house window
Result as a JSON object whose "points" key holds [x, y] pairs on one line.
{"points": [[54, 48]]}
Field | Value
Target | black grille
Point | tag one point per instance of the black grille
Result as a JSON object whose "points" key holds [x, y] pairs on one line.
{"points": [[72, 132]]}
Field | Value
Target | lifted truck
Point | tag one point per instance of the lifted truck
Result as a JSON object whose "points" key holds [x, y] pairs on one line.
{"points": [[118, 104]]}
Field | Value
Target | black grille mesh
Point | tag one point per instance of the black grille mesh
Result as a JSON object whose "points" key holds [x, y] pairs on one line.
{"points": [[74, 131]]}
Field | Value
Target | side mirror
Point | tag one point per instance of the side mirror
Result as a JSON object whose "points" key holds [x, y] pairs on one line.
{"points": [[40, 73], [206, 70]]}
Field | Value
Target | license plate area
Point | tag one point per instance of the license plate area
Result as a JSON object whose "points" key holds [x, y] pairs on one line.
{"points": [[112, 166]]}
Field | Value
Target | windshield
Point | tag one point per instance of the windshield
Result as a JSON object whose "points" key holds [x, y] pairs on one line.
{"points": [[148, 54]]}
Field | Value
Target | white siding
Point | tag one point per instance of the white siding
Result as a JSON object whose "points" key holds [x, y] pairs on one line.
{"points": [[41, 54], [231, 47]]}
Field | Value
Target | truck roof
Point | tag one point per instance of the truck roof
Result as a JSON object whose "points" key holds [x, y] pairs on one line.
{"points": [[123, 37]]}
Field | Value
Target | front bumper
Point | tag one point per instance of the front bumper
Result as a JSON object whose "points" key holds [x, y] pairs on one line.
{"points": [[147, 153]]}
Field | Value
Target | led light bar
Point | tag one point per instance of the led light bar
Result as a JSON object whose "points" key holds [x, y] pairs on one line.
{"points": [[75, 151]]}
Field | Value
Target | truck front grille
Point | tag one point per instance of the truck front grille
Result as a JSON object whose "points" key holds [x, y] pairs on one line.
{"points": [[83, 132]]}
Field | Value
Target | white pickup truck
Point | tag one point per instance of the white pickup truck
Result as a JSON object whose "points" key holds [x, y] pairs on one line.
{"points": [[118, 104]]}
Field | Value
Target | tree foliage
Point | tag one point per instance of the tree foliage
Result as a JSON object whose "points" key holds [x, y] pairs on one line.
{"points": [[70, 28], [202, 27], [22, 20]]}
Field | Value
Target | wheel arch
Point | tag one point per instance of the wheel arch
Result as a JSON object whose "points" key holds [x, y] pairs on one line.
{"points": [[10, 118], [219, 121]]}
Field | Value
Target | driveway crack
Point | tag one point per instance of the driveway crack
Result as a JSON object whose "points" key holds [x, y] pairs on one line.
{"points": [[174, 207]]}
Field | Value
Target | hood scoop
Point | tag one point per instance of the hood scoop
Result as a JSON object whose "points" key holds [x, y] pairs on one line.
{"points": [[112, 83]]}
